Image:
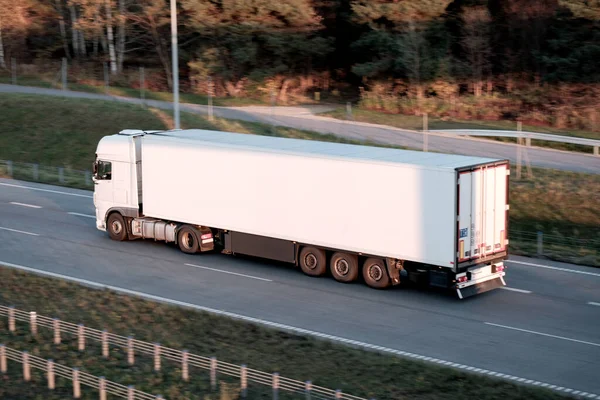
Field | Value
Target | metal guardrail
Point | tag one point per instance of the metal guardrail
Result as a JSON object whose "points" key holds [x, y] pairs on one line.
{"points": [[158, 352], [46, 174], [53, 370], [524, 135]]}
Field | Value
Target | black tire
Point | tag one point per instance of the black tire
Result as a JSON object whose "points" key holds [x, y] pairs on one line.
{"points": [[313, 261], [344, 267], [375, 273], [116, 227], [188, 240]]}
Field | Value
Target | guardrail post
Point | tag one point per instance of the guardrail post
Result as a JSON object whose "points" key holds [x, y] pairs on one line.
{"points": [[61, 174], [11, 319], [102, 388], [156, 357], [106, 79], [184, 366], [130, 355], [9, 168], [349, 111], [425, 130], [213, 373], [13, 69], [36, 172], [26, 369], [130, 392], [597, 150], [33, 322], [275, 386], [540, 243], [142, 84], [63, 73], [76, 384], [50, 367], [104, 344], [2, 359], [88, 178], [307, 389], [80, 337], [244, 381], [56, 327]]}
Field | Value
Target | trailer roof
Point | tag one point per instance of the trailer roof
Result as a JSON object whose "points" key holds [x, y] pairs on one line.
{"points": [[327, 149]]}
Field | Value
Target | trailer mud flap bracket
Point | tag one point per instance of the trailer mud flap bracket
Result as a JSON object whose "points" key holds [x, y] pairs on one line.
{"points": [[480, 288]]}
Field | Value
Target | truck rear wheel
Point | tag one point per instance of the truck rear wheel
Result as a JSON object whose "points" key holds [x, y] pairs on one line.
{"points": [[375, 274], [344, 267], [187, 240], [116, 227], [313, 261]]}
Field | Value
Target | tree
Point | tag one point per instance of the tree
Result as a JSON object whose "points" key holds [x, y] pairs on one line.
{"points": [[255, 39], [475, 40], [15, 23]]}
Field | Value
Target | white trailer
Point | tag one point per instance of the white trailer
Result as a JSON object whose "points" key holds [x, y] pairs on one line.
{"points": [[383, 215]]}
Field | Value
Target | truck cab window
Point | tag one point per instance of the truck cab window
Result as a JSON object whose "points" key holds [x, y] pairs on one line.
{"points": [[104, 170]]}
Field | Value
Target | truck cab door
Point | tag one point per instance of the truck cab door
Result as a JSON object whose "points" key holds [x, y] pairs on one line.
{"points": [[103, 191]]}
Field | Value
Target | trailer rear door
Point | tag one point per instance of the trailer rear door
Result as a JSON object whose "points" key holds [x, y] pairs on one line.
{"points": [[482, 212]]}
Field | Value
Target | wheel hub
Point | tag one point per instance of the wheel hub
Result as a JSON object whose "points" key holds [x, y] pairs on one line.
{"points": [[188, 240], [311, 261], [116, 227], [375, 272], [342, 267]]}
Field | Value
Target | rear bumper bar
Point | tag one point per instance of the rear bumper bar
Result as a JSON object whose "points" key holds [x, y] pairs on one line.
{"points": [[481, 285]]}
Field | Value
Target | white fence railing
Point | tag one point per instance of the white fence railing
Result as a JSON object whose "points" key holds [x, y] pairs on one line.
{"points": [[53, 370], [528, 136], [159, 353]]}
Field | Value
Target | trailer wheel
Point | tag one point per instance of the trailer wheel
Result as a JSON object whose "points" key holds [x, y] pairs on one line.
{"points": [[313, 261], [187, 240], [116, 227], [375, 274], [344, 267]]}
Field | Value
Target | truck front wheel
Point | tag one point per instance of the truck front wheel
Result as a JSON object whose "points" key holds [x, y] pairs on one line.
{"points": [[116, 227], [313, 261], [344, 267], [187, 240], [374, 273]]}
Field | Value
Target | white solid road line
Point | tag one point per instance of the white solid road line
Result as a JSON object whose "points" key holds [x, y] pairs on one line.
{"points": [[302, 331], [24, 205], [593, 303], [18, 231], [230, 273], [574, 271], [543, 334], [515, 289], [45, 190], [82, 215]]}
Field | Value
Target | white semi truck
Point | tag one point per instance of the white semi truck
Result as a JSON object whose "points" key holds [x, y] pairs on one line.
{"points": [[355, 212]]}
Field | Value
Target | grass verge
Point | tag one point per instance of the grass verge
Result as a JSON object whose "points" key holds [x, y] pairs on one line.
{"points": [[362, 373], [134, 93], [414, 122], [65, 132]]}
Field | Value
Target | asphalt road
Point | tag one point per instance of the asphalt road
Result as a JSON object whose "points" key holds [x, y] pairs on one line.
{"points": [[302, 118], [547, 328]]}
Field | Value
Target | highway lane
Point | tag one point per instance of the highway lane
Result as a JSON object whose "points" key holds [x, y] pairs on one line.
{"points": [[540, 157], [423, 322]]}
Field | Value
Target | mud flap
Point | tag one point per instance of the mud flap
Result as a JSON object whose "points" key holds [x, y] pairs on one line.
{"points": [[480, 288]]}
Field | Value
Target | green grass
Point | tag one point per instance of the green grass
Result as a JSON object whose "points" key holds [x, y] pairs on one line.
{"points": [[64, 132], [357, 372], [414, 122]]}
